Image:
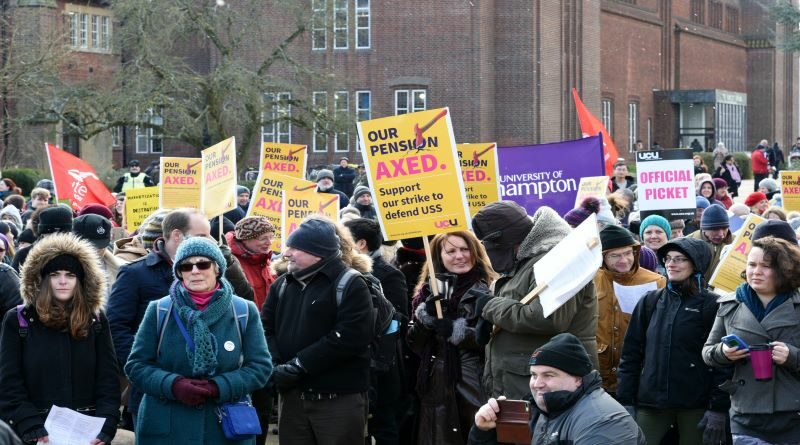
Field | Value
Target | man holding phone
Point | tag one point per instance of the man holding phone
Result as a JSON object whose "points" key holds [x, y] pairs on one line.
{"points": [[570, 405]]}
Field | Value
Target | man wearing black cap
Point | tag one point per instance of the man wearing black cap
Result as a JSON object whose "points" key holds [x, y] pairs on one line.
{"points": [[514, 242], [715, 231], [570, 405], [134, 179], [344, 177], [319, 344], [52, 219]]}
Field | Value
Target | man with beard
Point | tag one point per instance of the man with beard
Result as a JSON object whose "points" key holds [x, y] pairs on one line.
{"points": [[325, 185]]}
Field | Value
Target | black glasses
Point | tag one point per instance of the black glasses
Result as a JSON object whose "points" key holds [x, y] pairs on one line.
{"points": [[201, 265]]}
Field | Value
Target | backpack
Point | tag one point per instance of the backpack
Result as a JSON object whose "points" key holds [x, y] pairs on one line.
{"points": [[23, 323], [164, 306], [383, 347]]}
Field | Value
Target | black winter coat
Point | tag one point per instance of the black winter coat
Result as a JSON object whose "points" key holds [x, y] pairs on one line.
{"points": [[344, 178], [393, 283], [49, 367], [9, 288]]}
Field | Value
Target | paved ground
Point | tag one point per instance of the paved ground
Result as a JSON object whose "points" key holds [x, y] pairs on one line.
{"points": [[745, 189]]}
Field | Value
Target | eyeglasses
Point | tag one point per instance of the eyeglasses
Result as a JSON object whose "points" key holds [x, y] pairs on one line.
{"points": [[676, 260], [201, 265]]}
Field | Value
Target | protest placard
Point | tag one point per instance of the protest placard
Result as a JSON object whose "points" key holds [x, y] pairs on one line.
{"points": [[218, 192], [548, 174], [139, 204], [267, 199], [286, 159], [479, 171], [180, 182], [596, 186], [665, 183], [727, 276], [412, 162], [300, 204], [790, 190]]}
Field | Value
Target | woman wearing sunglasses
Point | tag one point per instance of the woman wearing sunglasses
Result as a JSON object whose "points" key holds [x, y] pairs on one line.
{"points": [[57, 349], [200, 356]]}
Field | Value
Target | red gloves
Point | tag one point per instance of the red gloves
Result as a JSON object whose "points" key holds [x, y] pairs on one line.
{"points": [[193, 392]]}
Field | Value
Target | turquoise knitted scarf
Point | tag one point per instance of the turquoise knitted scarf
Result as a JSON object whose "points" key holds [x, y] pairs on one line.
{"points": [[204, 357]]}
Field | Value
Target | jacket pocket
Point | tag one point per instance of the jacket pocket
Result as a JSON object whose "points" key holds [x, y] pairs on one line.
{"points": [[514, 376], [155, 416]]}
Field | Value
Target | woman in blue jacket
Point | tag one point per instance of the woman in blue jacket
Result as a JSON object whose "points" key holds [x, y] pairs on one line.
{"points": [[184, 386]]}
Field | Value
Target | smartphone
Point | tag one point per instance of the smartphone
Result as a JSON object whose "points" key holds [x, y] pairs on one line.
{"points": [[733, 341]]}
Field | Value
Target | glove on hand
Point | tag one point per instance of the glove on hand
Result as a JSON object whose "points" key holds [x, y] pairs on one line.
{"points": [[35, 433], [211, 386], [430, 305], [713, 426], [190, 392], [443, 327], [288, 374]]}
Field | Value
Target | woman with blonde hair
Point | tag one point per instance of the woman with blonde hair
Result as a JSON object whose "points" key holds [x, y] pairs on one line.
{"points": [[450, 373]]}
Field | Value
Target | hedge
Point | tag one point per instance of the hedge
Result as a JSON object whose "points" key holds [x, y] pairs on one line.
{"points": [[25, 178]]}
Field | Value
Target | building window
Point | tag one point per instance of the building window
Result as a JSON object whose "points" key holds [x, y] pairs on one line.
{"points": [[105, 33], [95, 31], [362, 24], [363, 106], [116, 137], [149, 139], [732, 20], [698, 11], [340, 24], [277, 119], [83, 31], [88, 28], [715, 14], [320, 137], [607, 116], [633, 121], [319, 32], [409, 101], [72, 23], [341, 105]]}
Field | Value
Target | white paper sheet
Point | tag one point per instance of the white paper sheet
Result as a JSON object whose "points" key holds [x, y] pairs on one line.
{"points": [[67, 427], [628, 296]]}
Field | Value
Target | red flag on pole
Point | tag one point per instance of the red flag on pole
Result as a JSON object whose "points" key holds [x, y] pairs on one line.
{"points": [[75, 179], [590, 126]]}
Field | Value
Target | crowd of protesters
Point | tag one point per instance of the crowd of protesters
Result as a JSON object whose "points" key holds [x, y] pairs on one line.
{"points": [[154, 331]]}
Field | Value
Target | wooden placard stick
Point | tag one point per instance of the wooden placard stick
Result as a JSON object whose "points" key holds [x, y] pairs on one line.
{"points": [[219, 241], [432, 277]]}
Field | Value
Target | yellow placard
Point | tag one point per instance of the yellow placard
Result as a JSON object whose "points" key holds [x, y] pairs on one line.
{"points": [[790, 190], [479, 171], [300, 204], [267, 199], [218, 192], [139, 204], [591, 186], [413, 166], [286, 159], [180, 182], [727, 277]]}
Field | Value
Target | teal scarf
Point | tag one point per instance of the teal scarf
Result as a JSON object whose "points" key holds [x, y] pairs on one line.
{"points": [[204, 357], [745, 294]]}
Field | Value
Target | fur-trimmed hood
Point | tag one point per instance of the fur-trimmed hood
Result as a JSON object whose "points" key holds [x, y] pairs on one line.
{"points": [[548, 230], [358, 261], [51, 246]]}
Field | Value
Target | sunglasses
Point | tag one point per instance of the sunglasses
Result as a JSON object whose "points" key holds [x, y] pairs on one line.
{"points": [[201, 265]]}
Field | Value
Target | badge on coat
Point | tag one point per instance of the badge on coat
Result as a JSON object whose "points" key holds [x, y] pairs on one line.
{"points": [[229, 346]]}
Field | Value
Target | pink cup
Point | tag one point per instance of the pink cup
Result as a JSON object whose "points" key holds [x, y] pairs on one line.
{"points": [[761, 360]]}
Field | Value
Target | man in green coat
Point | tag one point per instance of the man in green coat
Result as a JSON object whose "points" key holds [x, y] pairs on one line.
{"points": [[515, 242]]}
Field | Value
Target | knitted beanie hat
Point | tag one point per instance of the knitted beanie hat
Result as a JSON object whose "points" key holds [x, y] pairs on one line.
{"points": [[720, 183], [770, 184], [564, 352], [775, 228], [360, 190], [614, 237], [715, 217], [315, 236], [151, 230], [324, 173], [648, 259], [198, 246], [656, 220], [252, 227], [754, 198], [64, 262], [242, 189], [55, 219], [96, 209], [701, 202], [579, 214]]}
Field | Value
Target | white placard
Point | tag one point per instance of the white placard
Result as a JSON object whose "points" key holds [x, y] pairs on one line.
{"points": [[67, 427], [628, 296]]}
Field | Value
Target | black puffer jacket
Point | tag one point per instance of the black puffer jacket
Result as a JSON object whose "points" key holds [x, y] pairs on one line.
{"points": [[9, 288], [662, 365]]}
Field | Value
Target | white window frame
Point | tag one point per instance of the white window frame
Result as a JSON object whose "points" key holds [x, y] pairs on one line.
{"points": [[72, 21], [341, 106], [633, 127], [410, 104], [320, 101], [95, 28], [363, 10], [607, 115], [116, 137], [277, 130], [340, 7], [105, 32], [318, 23], [83, 31], [148, 140], [363, 114]]}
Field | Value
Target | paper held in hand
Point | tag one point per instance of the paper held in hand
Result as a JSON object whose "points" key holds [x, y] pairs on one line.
{"points": [[569, 266], [67, 427]]}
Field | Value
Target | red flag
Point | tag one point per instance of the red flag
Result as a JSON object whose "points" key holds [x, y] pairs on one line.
{"points": [[75, 179], [590, 126]]}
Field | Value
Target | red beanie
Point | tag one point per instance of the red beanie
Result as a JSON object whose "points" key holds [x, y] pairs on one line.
{"points": [[96, 209], [754, 198]]}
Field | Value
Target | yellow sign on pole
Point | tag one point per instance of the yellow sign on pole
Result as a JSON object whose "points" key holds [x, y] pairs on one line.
{"points": [[286, 159], [790, 190], [218, 193], [591, 186], [413, 166], [300, 204], [480, 172], [728, 275], [180, 182], [267, 199], [139, 204]]}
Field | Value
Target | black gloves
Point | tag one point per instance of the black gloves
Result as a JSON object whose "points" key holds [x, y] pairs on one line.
{"points": [[287, 375], [430, 305], [443, 327]]}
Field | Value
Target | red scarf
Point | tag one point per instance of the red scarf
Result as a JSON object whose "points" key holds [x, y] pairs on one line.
{"points": [[201, 299]]}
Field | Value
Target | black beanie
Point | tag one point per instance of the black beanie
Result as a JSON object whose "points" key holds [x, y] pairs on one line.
{"points": [[26, 236], [64, 262], [776, 228], [614, 237], [316, 237], [55, 219], [564, 352]]}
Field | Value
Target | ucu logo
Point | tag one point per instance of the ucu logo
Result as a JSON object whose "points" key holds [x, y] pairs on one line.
{"points": [[445, 223]]}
